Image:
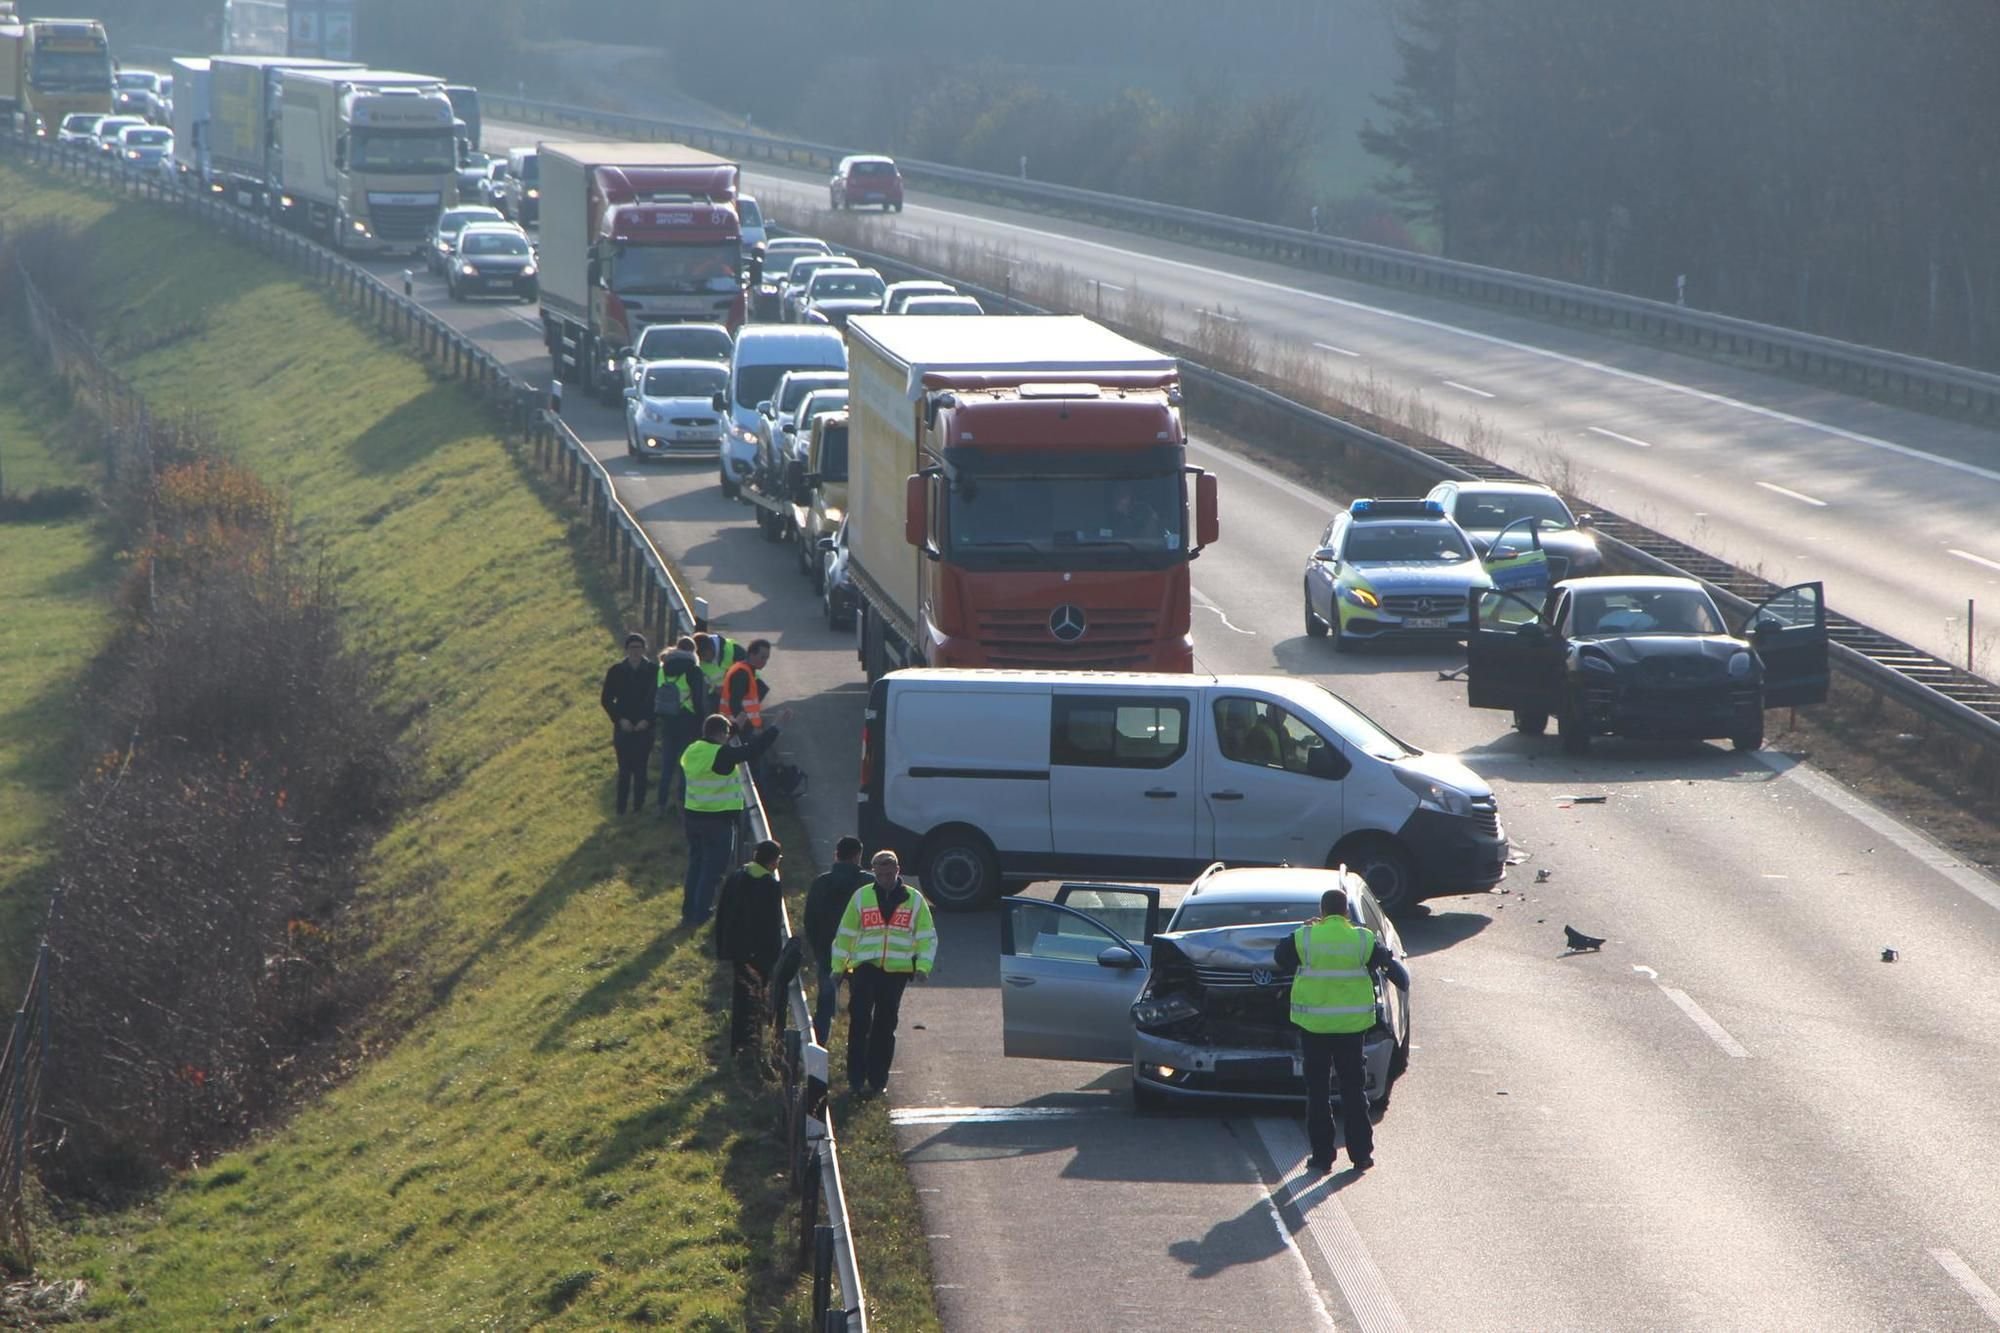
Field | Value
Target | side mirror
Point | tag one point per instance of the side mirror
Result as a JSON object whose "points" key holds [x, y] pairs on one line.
{"points": [[1586, 521], [917, 509], [1118, 956], [1327, 553], [1324, 761], [1502, 553], [826, 543], [764, 408], [719, 402], [1207, 512], [630, 393]]}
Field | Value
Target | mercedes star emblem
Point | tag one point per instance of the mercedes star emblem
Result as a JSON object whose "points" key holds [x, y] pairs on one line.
{"points": [[1067, 622]]}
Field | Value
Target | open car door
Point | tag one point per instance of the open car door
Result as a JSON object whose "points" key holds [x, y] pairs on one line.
{"points": [[1789, 633], [1516, 561], [1513, 658], [1068, 980]]}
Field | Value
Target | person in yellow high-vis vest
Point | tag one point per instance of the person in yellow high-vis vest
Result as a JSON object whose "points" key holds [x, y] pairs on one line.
{"points": [[1333, 1006], [713, 805], [680, 705], [885, 939]]}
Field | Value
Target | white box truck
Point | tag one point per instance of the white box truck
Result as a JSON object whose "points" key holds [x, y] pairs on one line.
{"points": [[190, 120], [370, 156]]}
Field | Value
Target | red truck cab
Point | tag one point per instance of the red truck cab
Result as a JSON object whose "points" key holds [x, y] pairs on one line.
{"points": [[666, 248], [1055, 521]]}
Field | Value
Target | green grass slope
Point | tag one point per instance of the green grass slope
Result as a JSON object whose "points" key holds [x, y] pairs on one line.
{"points": [[548, 1140]]}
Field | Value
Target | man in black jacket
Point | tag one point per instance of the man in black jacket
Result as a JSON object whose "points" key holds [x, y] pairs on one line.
{"points": [[680, 705], [628, 701], [750, 932], [826, 901]]}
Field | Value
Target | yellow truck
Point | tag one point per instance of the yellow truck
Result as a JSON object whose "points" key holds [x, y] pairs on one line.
{"points": [[51, 68]]}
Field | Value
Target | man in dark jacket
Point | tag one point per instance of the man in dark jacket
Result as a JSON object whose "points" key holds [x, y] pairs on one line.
{"points": [[680, 702], [750, 933], [713, 805], [826, 900], [628, 701]]}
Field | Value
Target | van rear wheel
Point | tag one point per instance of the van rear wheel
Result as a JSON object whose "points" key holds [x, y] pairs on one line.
{"points": [[959, 871]]}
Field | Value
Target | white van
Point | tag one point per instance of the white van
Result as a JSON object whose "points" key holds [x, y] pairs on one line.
{"points": [[982, 778], [763, 354]]}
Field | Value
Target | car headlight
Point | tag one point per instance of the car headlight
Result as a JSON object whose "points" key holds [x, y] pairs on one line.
{"points": [[468, 270], [1434, 795], [743, 436], [534, 194], [1361, 597], [1163, 1012], [529, 271], [652, 414], [132, 153], [1594, 663], [1741, 665]]}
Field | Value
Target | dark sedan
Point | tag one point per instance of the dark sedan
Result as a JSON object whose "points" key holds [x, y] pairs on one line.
{"points": [[1536, 514], [1644, 657], [493, 260]]}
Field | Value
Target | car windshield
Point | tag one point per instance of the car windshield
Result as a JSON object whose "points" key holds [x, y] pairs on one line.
{"points": [[147, 138], [494, 243], [1194, 914], [748, 213], [805, 266], [942, 305], [113, 126], [82, 121], [1405, 544], [665, 342], [833, 453], [799, 386], [754, 383], [685, 381], [1614, 613], [1490, 511], [1007, 518], [133, 78], [418, 152], [456, 218], [676, 268], [838, 284], [818, 404]]}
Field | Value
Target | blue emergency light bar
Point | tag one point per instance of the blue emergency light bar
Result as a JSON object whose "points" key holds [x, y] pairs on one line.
{"points": [[1397, 509]]}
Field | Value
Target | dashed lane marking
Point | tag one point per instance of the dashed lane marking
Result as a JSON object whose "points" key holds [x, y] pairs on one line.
{"points": [[1790, 494], [1337, 351], [1969, 1281], [1467, 388], [1975, 559], [1621, 438]]}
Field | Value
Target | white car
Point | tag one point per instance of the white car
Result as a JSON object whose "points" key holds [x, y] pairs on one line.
{"points": [[778, 256], [144, 147], [792, 290], [108, 130], [678, 342], [750, 218], [671, 413], [764, 353], [836, 590], [1200, 1010], [79, 129], [899, 292], [942, 305], [833, 294]]}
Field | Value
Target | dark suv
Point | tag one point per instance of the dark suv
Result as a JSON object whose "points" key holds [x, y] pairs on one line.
{"points": [[519, 193]]}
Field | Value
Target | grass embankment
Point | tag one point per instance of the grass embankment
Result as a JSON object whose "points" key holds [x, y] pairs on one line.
{"points": [[541, 1132], [55, 578]]}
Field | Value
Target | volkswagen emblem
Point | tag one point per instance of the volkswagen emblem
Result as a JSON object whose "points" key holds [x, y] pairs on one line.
{"points": [[1067, 622], [1262, 976]]}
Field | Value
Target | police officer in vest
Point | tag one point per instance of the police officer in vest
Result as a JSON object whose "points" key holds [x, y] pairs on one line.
{"points": [[1333, 1006], [713, 807], [885, 939]]}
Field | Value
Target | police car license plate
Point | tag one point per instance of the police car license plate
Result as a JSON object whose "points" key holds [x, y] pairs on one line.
{"points": [[1423, 622]]}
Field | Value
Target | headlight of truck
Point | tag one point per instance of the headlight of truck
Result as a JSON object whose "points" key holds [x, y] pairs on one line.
{"points": [[1434, 795], [1163, 1012]]}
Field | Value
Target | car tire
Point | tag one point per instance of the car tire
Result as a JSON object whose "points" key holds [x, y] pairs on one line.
{"points": [[1389, 870], [1749, 741], [1530, 724], [1575, 737], [1315, 627], [1399, 1060], [958, 870]]}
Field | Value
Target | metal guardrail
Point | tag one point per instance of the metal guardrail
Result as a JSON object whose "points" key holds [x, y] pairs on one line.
{"points": [[1898, 376], [1957, 700], [644, 574], [21, 1065]]}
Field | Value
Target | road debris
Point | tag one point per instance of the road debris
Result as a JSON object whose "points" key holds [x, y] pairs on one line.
{"points": [[1890, 955], [1580, 942]]}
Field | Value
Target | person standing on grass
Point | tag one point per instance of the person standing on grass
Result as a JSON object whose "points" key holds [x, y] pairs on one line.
{"points": [[826, 903], [713, 806], [680, 702], [628, 701], [750, 933], [885, 939]]}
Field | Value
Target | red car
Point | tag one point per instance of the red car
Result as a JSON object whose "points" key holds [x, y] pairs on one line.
{"points": [[864, 180]]}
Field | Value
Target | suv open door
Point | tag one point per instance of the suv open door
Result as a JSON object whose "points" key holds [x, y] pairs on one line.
{"points": [[1788, 630], [1514, 658], [1067, 978]]}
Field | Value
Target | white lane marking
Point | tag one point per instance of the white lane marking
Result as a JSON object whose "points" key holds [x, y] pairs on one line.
{"points": [[1945, 862], [1641, 967], [1975, 559], [1306, 1278], [1622, 439], [1109, 286], [1716, 1032], [1467, 388], [1217, 314], [989, 1115], [1792, 494], [1337, 351], [1961, 1273], [1207, 603], [1332, 1232], [1494, 340]]}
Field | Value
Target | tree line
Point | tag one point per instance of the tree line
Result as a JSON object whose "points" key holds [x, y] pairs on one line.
{"points": [[1826, 165]]}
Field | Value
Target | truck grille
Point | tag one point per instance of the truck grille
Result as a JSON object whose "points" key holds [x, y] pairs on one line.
{"points": [[1111, 639], [401, 222]]}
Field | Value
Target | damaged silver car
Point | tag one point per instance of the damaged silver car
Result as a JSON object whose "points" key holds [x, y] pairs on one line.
{"points": [[1200, 1009]]}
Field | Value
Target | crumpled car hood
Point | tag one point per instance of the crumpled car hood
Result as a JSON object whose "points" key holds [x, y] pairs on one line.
{"points": [[1242, 947], [1640, 647]]}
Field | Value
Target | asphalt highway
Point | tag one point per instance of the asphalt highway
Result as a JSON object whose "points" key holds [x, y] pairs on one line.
{"points": [[1732, 1116]]}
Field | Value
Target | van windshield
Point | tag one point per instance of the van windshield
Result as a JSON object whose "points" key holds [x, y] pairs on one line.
{"points": [[1358, 729]]}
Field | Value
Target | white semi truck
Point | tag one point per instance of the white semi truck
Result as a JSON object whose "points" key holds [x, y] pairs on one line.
{"points": [[370, 156]]}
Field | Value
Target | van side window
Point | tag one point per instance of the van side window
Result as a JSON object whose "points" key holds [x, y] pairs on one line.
{"points": [[1094, 731], [1258, 732]]}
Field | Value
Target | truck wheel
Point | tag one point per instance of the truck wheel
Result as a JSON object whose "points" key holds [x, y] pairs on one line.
{"points": [[1315, 627], [958, 870], [1748, 741], [1387, 867]]}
